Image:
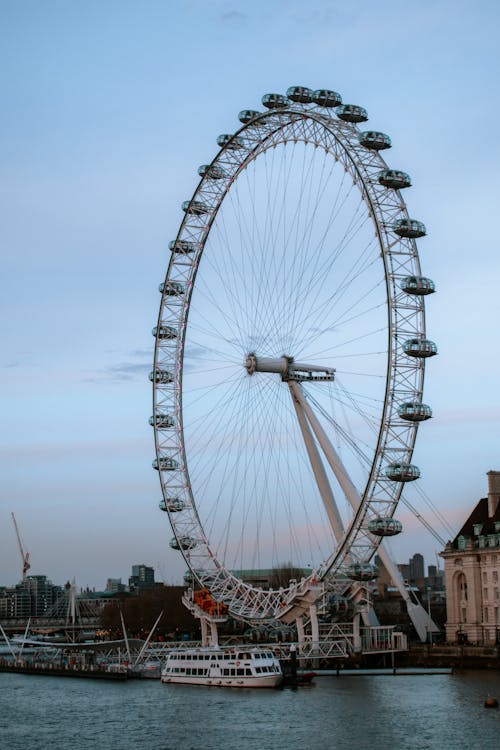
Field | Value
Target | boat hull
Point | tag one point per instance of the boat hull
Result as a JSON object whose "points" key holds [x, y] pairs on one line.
{"points": [[259, 681]]}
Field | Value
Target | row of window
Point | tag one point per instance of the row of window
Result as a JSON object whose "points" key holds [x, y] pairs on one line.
{"points": [[218, 657], [494, 576]]}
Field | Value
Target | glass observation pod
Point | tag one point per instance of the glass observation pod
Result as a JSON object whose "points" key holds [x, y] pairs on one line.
{"points": [[213, 171], [172, 505], [394, 178], [352, 113], [274, 101], [195, 207], [165, 463], [160, 376], [420, 348], [246, 115], [300, 94], [183, 542], [415, 411], [418, 285], [229, 141], [171, 288], [409, 228], [326, 98], [362, 572], [374, 140], [182, 247], [385, 526], [164, 332], [162, 421], [401, 472]]}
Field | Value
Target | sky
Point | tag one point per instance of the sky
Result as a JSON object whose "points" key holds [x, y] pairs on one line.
{"points": [[107, 111]]}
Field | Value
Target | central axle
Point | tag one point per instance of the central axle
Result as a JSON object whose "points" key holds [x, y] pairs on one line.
{"points": [[287, 368]]}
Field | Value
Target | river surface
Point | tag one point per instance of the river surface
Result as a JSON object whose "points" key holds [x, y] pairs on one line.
{"points": [[386, 712]]}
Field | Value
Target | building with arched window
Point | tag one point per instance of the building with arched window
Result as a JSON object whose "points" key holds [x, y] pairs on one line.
{"points": [[472, 573]]}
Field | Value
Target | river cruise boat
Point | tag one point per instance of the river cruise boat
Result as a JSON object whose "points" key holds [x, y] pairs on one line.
{"points": [[223, 667]]}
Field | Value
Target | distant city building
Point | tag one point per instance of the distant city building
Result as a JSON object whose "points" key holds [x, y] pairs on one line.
{"points": [[32, 597], [115, 585], [142, 577], [416, 567], [472, 573]]}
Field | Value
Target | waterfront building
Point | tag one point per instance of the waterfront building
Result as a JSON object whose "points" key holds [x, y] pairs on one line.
{"points": [[32, 597], [472, 573]]}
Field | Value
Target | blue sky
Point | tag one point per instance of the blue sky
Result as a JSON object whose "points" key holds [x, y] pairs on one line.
{"points": [[108, 109]]}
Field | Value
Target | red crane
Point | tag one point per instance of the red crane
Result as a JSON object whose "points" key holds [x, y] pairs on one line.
{"points": [[25, 556]]}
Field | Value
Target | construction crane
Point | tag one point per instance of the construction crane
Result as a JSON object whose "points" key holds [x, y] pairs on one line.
{"points": [[25, 556]]}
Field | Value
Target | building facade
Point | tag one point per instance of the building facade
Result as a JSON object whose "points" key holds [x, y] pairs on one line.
{"points": [[472, 573]]}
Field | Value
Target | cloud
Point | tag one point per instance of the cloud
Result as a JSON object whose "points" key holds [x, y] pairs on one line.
{"points": [[126, 370], [233, 15]]}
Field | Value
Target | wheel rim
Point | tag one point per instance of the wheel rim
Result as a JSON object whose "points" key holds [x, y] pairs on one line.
{"points": [[214, 238]]}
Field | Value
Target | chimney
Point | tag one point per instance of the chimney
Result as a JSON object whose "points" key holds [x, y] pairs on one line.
{"points": [[493, 492]]}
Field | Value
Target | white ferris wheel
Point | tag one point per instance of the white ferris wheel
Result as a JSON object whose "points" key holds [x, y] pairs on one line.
{"points": [[289, 356]]}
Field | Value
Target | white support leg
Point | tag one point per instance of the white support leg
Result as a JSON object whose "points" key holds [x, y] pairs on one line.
{"points": [[214, 634], [421, 621], [301, 636], [204, 631], [317, 466], [313, 615]]}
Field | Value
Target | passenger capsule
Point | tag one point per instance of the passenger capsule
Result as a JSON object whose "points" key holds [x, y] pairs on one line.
{"points": [[274, 101], [213, 171], [418, 285], [393, 178], [231, 142], [197, 208], [300, 94], [352, 113], [374, 140], [385, 526], [182, 247], [246, 115], [420, 347], [188, 578], [401, 472], [409, 228], [162, 421], [160, 376], [415, 411], [326, 98], [172, 505], [164, 332], [172, 288], [183, 542], [165, 463], [362, 572]]}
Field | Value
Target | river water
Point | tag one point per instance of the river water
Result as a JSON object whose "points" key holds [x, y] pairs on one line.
{"points": [[385, 712]]}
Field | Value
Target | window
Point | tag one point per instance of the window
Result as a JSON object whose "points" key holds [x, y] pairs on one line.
{"points": [[495, 576], [486, 614], [485, 594], [464, 615], [485, 577]]}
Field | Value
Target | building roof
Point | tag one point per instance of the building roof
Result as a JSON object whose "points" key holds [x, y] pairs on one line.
{"points": [[479, 516]]}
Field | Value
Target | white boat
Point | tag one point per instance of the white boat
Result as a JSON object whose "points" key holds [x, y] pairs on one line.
{"points": [[237, 667]]}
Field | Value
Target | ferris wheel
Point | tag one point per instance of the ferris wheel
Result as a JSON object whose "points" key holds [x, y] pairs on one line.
{"points": [[289, 356]]}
